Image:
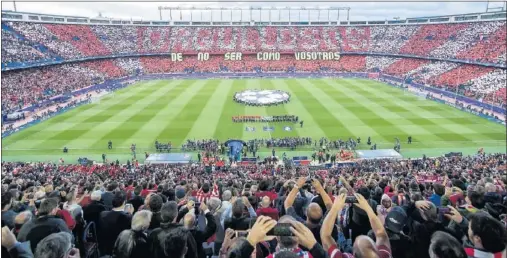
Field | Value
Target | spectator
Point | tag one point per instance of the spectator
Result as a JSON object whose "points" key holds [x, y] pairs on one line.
{"points": [[21, 219], [487, 235], [363, 245], [72, 205], [91, 212], [169, 228], [384, 207], [176, 243], [107, 196], [137, 201], [438, 192], [8, 214], [112, 223], [44, 225], [314, 214], [57, 245], [266, 209], [12, 248], [155, 205], [491, 195], [234, 217], [200, 236], [133, 242], [444, 245]]}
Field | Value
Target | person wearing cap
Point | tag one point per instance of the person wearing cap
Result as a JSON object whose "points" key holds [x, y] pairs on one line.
{"points": [[266, 209], [363, 245], [395, 221]]}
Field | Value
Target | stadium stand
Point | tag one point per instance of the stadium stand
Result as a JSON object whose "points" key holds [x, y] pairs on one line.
{"points": [[26, 43], [411, 208]]}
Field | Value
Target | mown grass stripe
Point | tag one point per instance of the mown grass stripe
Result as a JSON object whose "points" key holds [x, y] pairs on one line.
{"points": [[91, 138], [186, 119], [347, 107], [379, 116], [413, 114], [333, 127], [296, 107], [181, 109], [226, 129], [278, 111], [140, 114], [207, 122], [59, 139], [35, 134]]}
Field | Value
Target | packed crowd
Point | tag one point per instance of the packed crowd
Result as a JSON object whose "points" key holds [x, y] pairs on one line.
{"points": [[25, 87], [442, 207], [475, 41]]}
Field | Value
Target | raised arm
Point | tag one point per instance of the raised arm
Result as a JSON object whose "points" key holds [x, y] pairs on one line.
{"points": [[328, 225], [376, 224], [346, 184], [289, 201], [320, 189], [211, 225]]}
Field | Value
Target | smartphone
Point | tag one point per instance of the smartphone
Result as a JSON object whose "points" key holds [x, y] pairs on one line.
{"points": [[350, 199], [444, 210], [281, 229], [128, 206], [241, 233]]}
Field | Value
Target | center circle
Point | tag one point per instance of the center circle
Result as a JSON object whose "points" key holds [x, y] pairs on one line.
{"points": [[262, 97]]}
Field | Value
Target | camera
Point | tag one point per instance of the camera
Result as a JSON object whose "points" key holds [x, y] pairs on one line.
{"points": [[350, 199], [281, 229]]}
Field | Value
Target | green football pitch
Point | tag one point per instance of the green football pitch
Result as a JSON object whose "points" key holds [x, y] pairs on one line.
{"points": [[176, 110]]}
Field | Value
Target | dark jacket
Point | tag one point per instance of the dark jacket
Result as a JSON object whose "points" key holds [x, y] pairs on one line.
{"points": [[401, 245], [91, 212], [242, 223], [111, 224], [39, 228], [136, 202], [140, 245], [155, 220], [492, 198], [245, 250], [201, 236], [107, 199], [157, 237], [421, 231]]}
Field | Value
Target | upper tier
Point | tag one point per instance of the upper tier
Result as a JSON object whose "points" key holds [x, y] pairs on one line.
{"points": [[25, 44]]}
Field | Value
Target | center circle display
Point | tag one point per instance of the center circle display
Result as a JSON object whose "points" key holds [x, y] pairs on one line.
{"points": [[262, 97]]}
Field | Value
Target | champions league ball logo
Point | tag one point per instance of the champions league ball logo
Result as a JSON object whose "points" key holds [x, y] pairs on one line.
{"points": [[262, 97]]}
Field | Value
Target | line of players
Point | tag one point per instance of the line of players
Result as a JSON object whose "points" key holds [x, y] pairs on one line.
{"points": [[263, 119]]}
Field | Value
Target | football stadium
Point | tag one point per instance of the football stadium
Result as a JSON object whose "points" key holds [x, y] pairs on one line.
{"points": [[119, 129]]}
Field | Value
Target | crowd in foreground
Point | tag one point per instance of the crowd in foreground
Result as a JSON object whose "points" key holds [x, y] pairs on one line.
{"points": [[431, 207]]}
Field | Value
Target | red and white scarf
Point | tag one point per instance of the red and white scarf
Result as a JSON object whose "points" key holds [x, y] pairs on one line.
{"points": [[471, 252]]}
